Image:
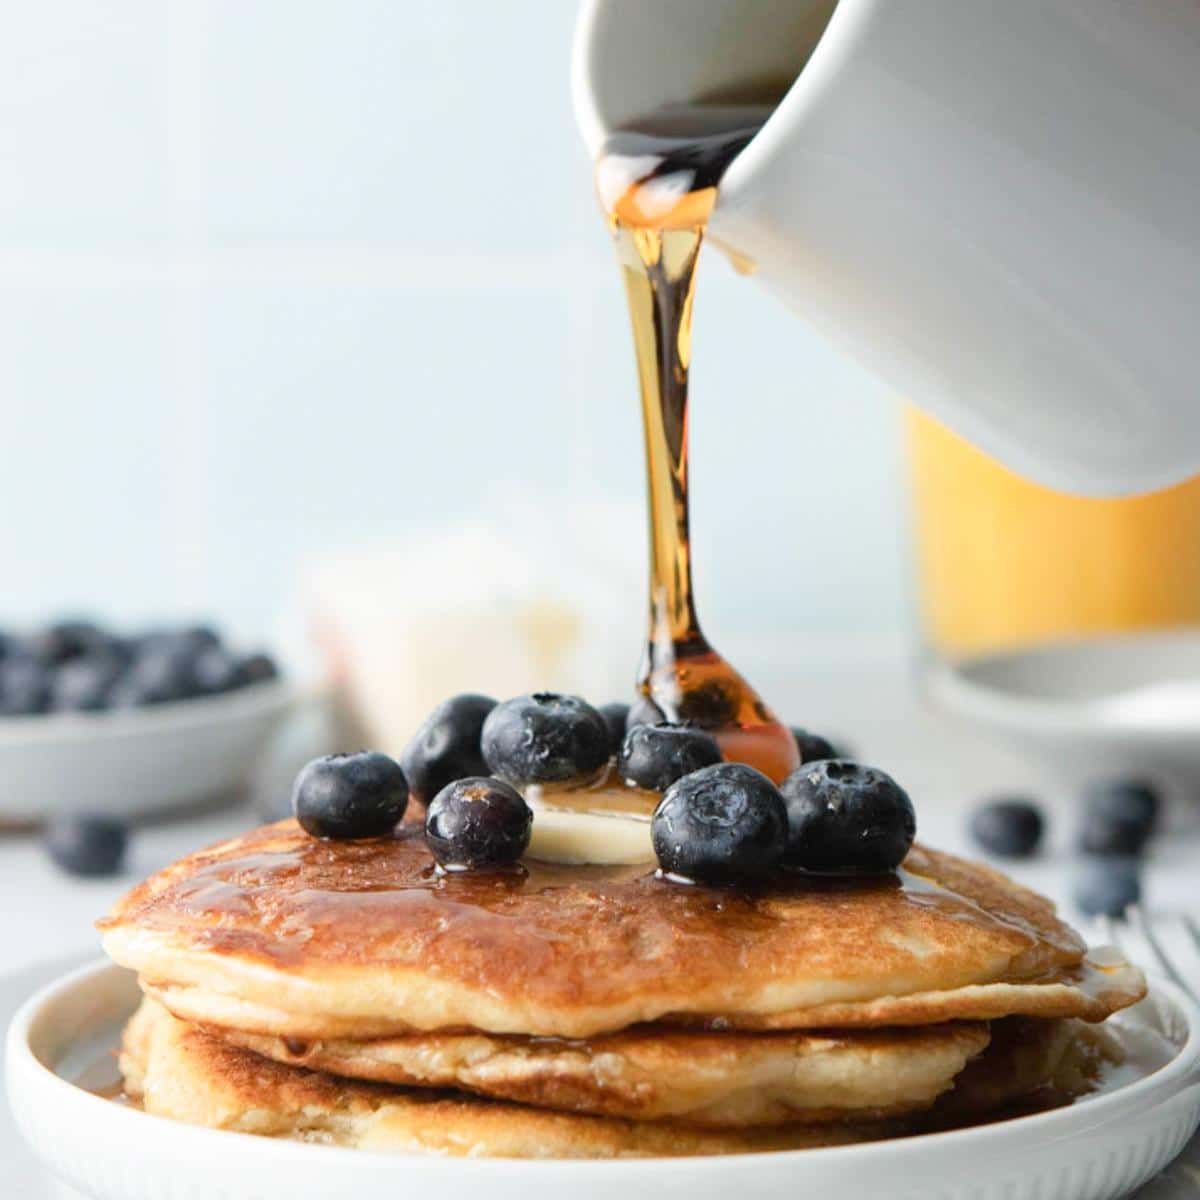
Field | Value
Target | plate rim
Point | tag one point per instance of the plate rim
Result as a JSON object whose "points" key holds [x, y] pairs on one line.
{"points": [[1180, 1075]]}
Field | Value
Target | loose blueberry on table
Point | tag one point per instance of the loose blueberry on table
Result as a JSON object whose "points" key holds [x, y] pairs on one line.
{"points": [[1119, 817], [350, 796], [1107, 885], [1008, 828], [87, 845]]}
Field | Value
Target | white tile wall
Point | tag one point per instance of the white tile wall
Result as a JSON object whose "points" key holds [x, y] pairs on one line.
{"points": [[277, 275]]}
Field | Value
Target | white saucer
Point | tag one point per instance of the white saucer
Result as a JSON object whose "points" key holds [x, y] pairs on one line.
{"points": [[136, 761], [1120, 706], [1099, 1149]]}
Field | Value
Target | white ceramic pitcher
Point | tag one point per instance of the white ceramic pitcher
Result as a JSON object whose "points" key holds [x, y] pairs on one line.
{"points": [[994, 204]]}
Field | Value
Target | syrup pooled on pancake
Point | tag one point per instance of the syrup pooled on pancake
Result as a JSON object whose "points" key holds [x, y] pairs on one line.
{"points": [[280, 934]]}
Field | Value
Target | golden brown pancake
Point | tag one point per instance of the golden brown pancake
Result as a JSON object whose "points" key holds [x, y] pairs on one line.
{"points": [[281, 934], [1050, 1062], [179, 1071], [716, 1080]]}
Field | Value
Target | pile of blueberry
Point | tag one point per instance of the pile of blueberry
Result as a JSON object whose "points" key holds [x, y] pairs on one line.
{"points": [[717, 822], [1119, 819], [78, 666]]}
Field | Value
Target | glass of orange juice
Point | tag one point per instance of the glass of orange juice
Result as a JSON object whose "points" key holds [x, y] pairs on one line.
{"points": [[1005, 565]]}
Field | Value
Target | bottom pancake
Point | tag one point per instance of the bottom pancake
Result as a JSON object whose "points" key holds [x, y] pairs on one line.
{"points": [[1030, 1062], [179, 1071], [715, 1080]]}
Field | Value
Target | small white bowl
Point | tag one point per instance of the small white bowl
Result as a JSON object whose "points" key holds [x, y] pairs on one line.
{"points": [[1119, 706], [136, 761], [1097, 1149]]}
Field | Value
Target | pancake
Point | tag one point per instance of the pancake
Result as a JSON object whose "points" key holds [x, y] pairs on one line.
{"points": [[179, 1071], [1048, 1063], [718, 1080], [280, 934]]}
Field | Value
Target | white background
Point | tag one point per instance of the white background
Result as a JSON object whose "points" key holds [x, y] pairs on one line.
{"points": [[282, 276]]}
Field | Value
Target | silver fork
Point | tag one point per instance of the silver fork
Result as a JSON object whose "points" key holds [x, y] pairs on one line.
{"points": [[1169, 941]]}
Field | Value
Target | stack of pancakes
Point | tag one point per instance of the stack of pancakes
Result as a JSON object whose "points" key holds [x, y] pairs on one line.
{"points": [[349, 993]]}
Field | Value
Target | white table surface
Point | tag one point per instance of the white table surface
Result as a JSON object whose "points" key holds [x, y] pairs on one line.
{"points": [[866, 698]]}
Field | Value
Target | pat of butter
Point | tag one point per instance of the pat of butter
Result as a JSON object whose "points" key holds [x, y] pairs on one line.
{"points": [[578, 838]]}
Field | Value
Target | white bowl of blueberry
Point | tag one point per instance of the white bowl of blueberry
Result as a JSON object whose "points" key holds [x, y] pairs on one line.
{"points": [[93, 721]]}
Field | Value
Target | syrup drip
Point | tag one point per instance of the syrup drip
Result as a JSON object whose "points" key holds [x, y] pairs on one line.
{"points": [[658, 184]]}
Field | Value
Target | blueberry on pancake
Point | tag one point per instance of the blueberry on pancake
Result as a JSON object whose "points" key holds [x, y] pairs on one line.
{"points": [[446, 747], [361, 795], [655, 756], [846, 819], [478, 822], [723, 824], [545, 738]]}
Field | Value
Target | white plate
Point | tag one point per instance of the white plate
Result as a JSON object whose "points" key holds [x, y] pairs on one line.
{"points": [[1098, 1149], [136, 761]]}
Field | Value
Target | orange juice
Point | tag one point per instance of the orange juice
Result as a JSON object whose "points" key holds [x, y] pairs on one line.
{"points": [[1004, 563]]}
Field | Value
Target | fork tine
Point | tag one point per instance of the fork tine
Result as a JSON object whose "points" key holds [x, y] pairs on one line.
{"points": [[1112, 935], [1138, 918], [1189, 923]]}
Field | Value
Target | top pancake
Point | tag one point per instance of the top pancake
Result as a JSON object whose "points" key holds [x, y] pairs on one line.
{"points": [[278, 933]]}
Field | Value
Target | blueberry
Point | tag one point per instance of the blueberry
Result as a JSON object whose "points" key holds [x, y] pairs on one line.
{"points": [[348, 796], [846, 819], [87, 845], [24, 686], [616, 715], [256, 668], [1100, 834], [722, 824], [644, 711], [160, 674], [179, 644], [446, 747], [1008, 828], [199, 637], [545, 738], [1108, 885], [812, 746], [84, 684], [478, 822], [190, 637], [65, 640], [655, 756], [215, 671], [1118, 817]]}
